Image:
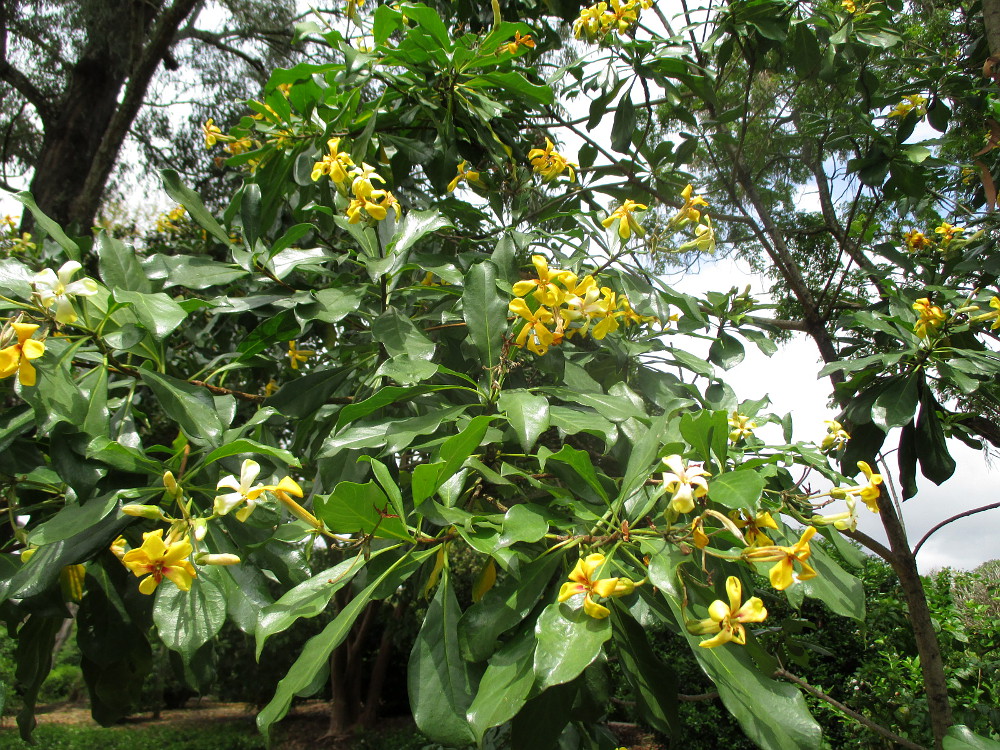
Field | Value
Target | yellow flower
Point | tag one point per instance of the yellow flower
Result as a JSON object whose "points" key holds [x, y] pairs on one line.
{"points": [[270, 388], [533, 333], [118, 547], [582, 581], [464, 175], [742, 427], [544, 286], [161, 560], [726, 620], [296, 355], [335, 164], [948, 232], [916, 240], [994, 316], [514, 46], [753, 527], [685, 482], [868, 492], [836, 437], [630, 316], [627, 223], [689, 211], [17, 357], [549, 163], [784, 559], [242, 492], [913, 103], [239, 146], [704, 239], [698, 535], [589, 24], [849, 6], [931, 318], [284, 491], [212, 133]]}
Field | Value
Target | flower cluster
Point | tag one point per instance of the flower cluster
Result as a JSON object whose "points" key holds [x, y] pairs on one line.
{"points": [[549, 163], [367, 203], [836, 436], [601, 19], [690, 214], [915, 240], [914, 103], [562, 305], [170, 221], [930, 319]]}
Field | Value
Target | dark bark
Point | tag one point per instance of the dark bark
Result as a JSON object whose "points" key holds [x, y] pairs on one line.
{"points": [[85, 127]]}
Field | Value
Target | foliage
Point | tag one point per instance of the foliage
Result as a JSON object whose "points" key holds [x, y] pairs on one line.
{"points": [[207, 737], [413, 343]]}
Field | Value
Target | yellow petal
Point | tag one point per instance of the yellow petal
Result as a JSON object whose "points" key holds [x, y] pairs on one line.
{"points": [[595, 610], [781, 574]]}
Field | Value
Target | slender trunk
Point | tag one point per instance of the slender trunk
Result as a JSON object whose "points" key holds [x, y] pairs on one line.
{"points": [[376, 682]]}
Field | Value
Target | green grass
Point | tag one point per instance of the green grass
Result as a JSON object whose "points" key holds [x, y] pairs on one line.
{"points": [[55, 737]]}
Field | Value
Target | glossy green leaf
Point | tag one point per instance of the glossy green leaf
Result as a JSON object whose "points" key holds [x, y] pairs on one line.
{"points": [[960, 737], [527, 413], [427, 478], [158, 313], [653, 683], [485, 312], [119, 267], [33, 655], [191, 406], [936, 462], [897, 403], [504, 687], [243, 445], [364, 508], [186, 620], [192, 202], [190, 271], [441, 683], [737, 490], [523, 523], [51, 228], [580, 462], [726, 351], [568, 640], [400, 336]]}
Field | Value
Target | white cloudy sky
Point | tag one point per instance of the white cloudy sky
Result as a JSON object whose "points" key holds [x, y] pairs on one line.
{"points": [[789, 379]]}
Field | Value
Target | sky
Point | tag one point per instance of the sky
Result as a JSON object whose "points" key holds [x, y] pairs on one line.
{"points": [[789, 379]]}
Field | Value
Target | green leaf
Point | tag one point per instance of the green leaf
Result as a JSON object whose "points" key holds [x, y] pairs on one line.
{"points": [[504, 686], [580, 462], [191, 271], [364, 508], [415, 225], [523, 523], [244, 445], [441, 684], [936, 462], [503, 607], [726, 351], [400, 337], [382, 398], [331, 305], [653, 683], [51, 228], [615, 408], [427, 478], [568, 640], [250, 213], [960, 737], [737, 490], [708, 434], [186, 620], [33, 656], [190, 406], [514, 85], [773, 714], [119, 267], [192, 202], [307, 599], [835, 587], [315, 655], [624, 125], [157, 313], [304, 395], [485, 312], [527, 413], [897, 403], [275, 329], [71, 519]]}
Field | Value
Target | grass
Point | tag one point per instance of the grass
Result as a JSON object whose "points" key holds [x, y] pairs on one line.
{"points": [[61, 737]]}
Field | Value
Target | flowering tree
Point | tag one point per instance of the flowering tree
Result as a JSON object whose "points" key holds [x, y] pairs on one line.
{"points": [[420, 330]]}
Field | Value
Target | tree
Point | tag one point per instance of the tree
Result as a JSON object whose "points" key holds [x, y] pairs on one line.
{"points": [[76, 76], [413, 336]]}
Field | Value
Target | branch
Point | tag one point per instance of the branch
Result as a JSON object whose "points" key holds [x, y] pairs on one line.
{"points": [[19, 80], [216, 40], [877, 728], [945, 522], [866, 541]]}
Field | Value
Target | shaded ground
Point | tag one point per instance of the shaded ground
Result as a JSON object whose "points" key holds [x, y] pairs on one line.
{"points": [[300, 730]]}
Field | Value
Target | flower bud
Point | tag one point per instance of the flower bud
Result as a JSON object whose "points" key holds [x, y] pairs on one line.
{"points": [[171, 484], [143, 511], [216, 559], [199, 527]]}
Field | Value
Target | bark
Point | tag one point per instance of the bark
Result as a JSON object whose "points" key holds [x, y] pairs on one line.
{"points": [[368, 715], [85, 127], [991, 22]]}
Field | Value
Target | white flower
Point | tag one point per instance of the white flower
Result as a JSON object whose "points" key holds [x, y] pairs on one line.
{"points": [[685, 482], [242, 491], [56, 288]]}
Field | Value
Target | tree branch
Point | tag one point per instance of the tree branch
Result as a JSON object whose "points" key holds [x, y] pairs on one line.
{"points": [[216, 40], [945, 522], [16, 78]]}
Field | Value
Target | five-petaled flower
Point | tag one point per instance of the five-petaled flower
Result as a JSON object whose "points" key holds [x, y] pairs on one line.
{"points": [[784, 559], [913, 103], [533, 333], [689, 211], [726, 620], [244, 491], [550, 163], [867, 492], [17, 357], [212, 133], [55, 288], [296, 356], [948, 232], [685, 482], [464, 175], [917, 240], [742, 427], [627, 223], [161, 560], [836, 436], [518, 42], [753, 528], [582, 581], [931, 318]]}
